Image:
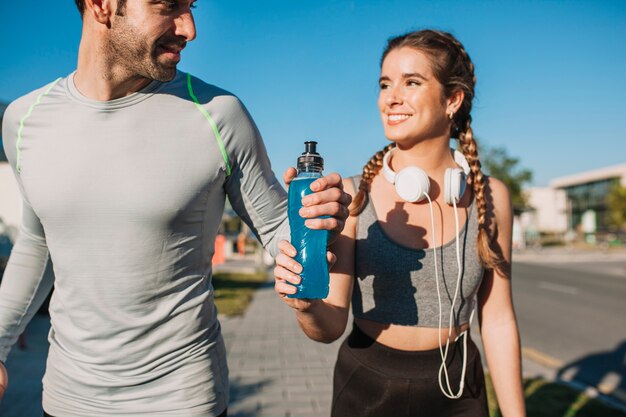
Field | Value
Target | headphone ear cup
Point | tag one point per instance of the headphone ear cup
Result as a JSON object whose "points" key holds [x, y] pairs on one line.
{"points": [[412, 184], [453, 185]]}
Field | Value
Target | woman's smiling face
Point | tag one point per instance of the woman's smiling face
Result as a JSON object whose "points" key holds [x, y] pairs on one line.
{"points": [[411, 101]]}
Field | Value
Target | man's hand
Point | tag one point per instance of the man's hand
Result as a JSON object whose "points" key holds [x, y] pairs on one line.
{"points": [[328, 199], [4, 379]]}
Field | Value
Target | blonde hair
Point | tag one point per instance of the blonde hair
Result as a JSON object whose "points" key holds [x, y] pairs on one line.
{"points": [[454, 69]]}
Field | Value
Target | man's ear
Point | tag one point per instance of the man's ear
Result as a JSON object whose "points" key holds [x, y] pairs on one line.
{"points": [[100, 10]]}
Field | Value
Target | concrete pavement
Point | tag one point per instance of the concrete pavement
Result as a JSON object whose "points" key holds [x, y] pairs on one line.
{"points": [[274, 369]]}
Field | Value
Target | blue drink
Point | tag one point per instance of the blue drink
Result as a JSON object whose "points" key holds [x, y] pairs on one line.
{"points": [[310, 244]]}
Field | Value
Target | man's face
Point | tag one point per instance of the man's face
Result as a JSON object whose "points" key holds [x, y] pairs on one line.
{"points": [[146, 37]]}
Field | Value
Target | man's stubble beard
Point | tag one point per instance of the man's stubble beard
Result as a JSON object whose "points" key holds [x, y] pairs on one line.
{"points": [[129, 49]]}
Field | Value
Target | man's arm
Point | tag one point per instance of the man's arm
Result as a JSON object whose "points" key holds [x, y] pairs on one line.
{"points": [[258, 197], [25, 285]]}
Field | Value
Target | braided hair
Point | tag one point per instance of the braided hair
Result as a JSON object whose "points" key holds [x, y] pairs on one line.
{"points": [[454, 69]]}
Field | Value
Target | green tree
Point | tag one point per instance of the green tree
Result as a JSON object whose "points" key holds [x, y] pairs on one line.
{"points": [[616, 203], [498, 163]]}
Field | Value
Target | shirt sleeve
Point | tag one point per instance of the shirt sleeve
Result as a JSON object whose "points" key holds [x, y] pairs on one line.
{"points": [[25, 283], [252, 188]]}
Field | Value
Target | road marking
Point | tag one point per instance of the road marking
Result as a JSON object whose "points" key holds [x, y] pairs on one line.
{"points": [[541, 358], [566, 289], [609, 383], [608, 387]]}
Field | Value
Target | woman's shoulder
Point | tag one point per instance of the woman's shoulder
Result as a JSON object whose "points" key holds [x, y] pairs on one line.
{"points": [[351, 184], [497, 188], [500, 198]]}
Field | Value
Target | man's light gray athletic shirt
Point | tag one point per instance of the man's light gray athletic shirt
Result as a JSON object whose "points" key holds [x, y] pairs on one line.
{"points": [[126, 197]]}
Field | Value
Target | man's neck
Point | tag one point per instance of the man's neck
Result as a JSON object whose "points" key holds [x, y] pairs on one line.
{"points": [[99, 80]]}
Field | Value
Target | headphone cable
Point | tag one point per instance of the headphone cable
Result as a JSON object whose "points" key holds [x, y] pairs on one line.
{"points": [[443, 368]]}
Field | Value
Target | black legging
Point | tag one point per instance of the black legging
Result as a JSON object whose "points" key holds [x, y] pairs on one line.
{"points": [[373, 380]]}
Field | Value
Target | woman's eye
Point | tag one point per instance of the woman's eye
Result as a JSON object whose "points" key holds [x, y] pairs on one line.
{"points": [[413, 83], [383, 86]]}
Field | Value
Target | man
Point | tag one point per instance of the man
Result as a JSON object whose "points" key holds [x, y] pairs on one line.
{"points": [[124, 167]]}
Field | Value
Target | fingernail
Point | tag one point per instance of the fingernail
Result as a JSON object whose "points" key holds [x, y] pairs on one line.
{"points": [[315, 186], [296, 268], [306, 201], [304, 212]]}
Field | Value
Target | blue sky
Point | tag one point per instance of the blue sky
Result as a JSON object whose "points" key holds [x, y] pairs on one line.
{"points": [[551, 74]]}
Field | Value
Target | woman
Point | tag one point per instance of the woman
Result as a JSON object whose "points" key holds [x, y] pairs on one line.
{"points": [[419, 252]]}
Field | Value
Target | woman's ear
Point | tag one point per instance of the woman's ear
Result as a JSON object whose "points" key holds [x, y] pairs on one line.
{"points": [[454, 101]]}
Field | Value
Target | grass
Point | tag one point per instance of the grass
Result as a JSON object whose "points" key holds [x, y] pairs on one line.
{"points": [[233, 292], [551, 399]]}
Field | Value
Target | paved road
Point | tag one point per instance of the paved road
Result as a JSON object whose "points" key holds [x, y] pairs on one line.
{"points": [[571, 309]]}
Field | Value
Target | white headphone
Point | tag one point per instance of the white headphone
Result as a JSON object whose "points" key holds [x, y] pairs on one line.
{"points": [[412, 183]]}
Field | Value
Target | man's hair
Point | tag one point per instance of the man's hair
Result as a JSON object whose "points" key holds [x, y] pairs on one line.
{"points": [[121, 4]]}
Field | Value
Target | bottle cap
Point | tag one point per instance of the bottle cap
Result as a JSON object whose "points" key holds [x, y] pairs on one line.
{"points": [[310, 160]]}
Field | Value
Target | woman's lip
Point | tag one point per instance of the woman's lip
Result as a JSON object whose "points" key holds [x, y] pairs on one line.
{"points": [[394, 119]]}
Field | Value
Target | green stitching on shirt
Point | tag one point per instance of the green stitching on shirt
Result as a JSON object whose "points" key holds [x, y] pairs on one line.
{"points": [[18, 168], [211, 122]]}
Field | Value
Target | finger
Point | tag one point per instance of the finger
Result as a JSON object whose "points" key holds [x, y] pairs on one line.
{"points": [[283, 274], [334, 195], [331, 224], [289, 175], [324, 196], [283, 289], [332, 209], [4, 379], [288, 263], [287, 248], [327, 181], [331, 258]]}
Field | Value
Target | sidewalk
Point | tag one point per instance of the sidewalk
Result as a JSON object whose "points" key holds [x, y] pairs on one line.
{"points": [[614, 257], [611, 262], [275, 370]]}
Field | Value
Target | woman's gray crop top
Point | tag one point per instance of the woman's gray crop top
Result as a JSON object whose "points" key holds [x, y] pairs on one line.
{"points": [[396, 284]]}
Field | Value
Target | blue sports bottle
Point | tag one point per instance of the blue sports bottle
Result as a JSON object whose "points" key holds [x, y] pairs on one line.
{"points": [[310, 244]]}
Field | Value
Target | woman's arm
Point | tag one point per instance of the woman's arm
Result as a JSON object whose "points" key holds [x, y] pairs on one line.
{"points": [[321, 320], [498, 324]]}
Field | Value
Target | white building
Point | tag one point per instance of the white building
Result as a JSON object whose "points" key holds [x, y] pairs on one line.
{"points": [[549, 214], [575, 203], [586, 194]]}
